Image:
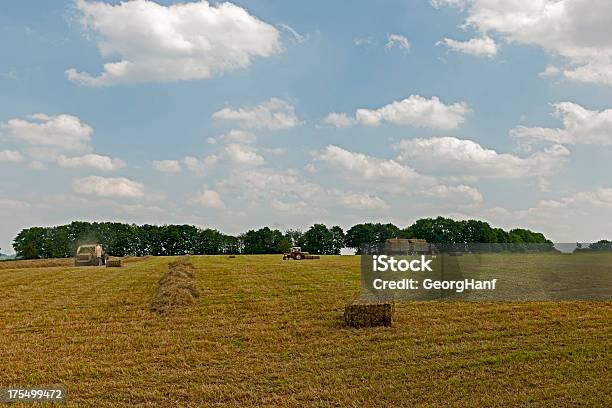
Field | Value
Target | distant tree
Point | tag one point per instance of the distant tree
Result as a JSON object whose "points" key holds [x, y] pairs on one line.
{"points": [[338, 239], [29, 243], [363, 234], [318, 240], [294, 237], [602, 245], [262, 241]]}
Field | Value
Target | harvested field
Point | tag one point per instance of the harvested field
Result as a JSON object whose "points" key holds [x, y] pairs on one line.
{"points": [[270, 333]]}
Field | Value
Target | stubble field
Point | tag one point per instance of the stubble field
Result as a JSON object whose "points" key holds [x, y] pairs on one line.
{"points": [[267, 332]]}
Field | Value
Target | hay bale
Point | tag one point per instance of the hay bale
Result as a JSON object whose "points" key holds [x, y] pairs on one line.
{"points": [[365, 313], [232, 256], [113, 263]]}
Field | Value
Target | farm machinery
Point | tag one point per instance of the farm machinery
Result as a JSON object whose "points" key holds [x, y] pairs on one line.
{"points": [[90, 255], [297, 254]]}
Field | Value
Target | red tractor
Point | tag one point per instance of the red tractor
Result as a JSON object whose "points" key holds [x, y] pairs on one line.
{"points": [[297, 254]]}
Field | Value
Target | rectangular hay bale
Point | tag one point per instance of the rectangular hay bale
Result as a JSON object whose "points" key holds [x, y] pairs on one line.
{"points": [[113, 263], [365, 313]]}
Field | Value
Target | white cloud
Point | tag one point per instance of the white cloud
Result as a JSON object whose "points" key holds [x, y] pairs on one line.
{"points": [[63, 131], [167, 166], [578, 216], [298, 207], [240, 154], [455, 3], [413, 111], [362, 167], [95, 161], [273, 114], [363, 201], [183, 41], [234, 135], [580, 126], [199, 166], [299, 38], [399, 41], [578, 30], [37, 165], [481, 47], [209, 199], [362, 41], [275, 150], [11, 156], [460, 192], [461, 158], [108, 187], [601, 197], [339, 120], [550, 71]]}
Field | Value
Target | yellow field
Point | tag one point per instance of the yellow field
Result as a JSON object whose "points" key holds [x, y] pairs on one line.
{"points": [[267, 332]]}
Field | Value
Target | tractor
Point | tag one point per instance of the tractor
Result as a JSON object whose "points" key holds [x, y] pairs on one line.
{"points": [[297, 254], [90, 255]]}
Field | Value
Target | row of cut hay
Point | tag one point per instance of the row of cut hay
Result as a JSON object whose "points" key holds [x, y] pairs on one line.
{"points": [[176, 287], [36, 263]]}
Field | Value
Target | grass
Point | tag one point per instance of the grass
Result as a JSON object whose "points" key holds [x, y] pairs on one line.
{"points": [[267, 332]]}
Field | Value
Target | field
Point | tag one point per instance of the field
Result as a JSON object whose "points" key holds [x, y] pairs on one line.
{"points": [[267, 332]]}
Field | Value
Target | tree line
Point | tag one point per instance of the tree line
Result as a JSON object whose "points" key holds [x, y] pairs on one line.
{"points": [[122, 239]]}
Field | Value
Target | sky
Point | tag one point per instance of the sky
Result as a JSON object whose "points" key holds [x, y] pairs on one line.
{"points": [[252, 113]]}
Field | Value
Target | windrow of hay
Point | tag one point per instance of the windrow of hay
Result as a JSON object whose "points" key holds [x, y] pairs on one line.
{"points": [[36, 263], [176, 287]]}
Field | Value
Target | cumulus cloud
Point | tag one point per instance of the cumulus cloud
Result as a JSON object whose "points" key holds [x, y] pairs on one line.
{"points": [[64, 132], [209, 199], [550, 71], [108, 187], [412, 111], [199, 165], [274, 114], [580, 126], [183, 41], [167, 166], [576, 216], [461, 158], [241, 154], [11, 156], [298, 207], [363, 202], [461, 192], [578, 30], [234, 135], [481, 47], [95, 161], [339, 120], [399, 41], [364, 167]]}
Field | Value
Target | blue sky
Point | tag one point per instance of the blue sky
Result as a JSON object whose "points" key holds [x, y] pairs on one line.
{"points": [[457, 96]]}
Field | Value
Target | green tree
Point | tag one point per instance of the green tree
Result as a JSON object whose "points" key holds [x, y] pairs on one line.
{"points": [[318, 240]]}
